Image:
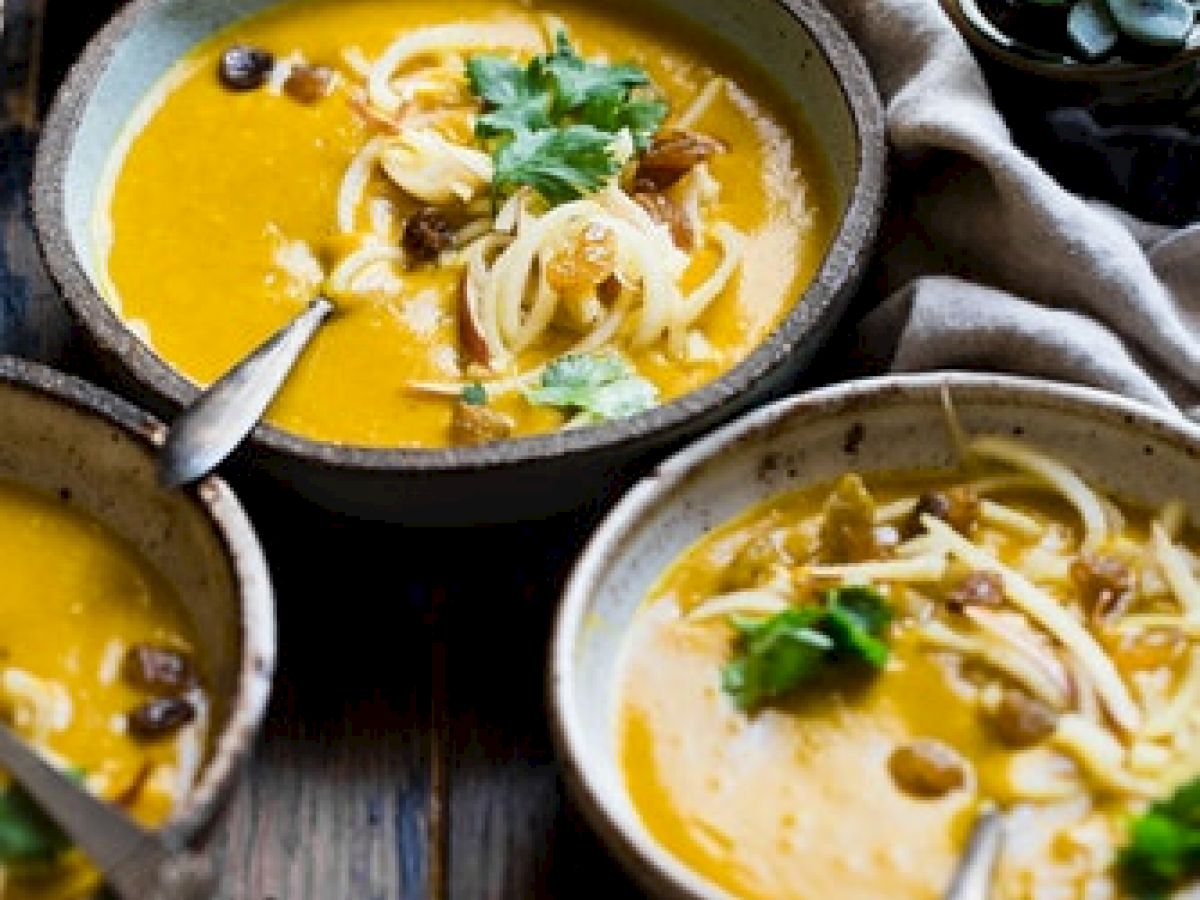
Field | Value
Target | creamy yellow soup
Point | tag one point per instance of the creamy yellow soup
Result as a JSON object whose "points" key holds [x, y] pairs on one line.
{"points": [[222, 218], [75, 601], [815, 793]]}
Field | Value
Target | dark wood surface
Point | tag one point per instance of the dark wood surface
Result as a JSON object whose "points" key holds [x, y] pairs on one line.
{"points": [[406, 753]]}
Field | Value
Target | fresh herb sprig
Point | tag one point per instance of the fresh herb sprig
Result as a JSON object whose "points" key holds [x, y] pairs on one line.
{"points": [[596, 387], [1163, 851], [554, 123], [777, 655], [27, 835]]}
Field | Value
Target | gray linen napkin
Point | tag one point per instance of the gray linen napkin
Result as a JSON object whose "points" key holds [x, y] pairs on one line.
{"points": [[987, 263]]}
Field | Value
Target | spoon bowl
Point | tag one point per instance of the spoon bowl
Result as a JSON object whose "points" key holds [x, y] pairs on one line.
{"points": [[224, 415]]}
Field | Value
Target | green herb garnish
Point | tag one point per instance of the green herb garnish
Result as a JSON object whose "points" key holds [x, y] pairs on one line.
{"points": [[1164, 845], [27, 835], [475, 395], [779, 654], [517, 98], [561, 164], [598, 387], [554, 123], [601, 95]]}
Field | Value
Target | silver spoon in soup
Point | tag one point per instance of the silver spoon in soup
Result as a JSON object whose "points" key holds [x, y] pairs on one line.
{"points": [[973, 878], [134, 863], [217, 422]]}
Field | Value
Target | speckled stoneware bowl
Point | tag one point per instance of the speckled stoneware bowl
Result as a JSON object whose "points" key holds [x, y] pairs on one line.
{"points": [[811, 60], [878, 424], [70, 440]]}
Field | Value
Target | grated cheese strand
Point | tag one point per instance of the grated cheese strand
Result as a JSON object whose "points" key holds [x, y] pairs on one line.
{"points": [[1047, 612], [1073, 488], [442, 37], [750, 602], [1176, 571]]}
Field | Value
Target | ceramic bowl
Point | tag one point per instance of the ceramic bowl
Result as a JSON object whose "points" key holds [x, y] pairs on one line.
{"points": [[70, 440], [815, 67], [879, 424], [1059, 80]]}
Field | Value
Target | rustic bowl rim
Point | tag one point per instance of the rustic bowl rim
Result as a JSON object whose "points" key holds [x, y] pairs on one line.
{"points": [[651, 865], [823, 300], [1073, 71], [221, 509]]}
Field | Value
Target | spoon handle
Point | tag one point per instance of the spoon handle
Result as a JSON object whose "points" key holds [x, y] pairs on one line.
{"points": [[219, 420], [135, 863], [973, 880]]}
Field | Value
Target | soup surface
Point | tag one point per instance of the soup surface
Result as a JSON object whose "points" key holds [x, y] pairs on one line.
{"points": [[820, 697], [96, 671], [528, 215]]}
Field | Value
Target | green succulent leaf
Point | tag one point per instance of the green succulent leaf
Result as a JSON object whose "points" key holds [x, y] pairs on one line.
{"points": [[1159, 23], [1092, 28]]}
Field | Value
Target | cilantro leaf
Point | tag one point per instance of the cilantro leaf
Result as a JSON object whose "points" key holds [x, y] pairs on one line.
{"points": [[855, 618], [517, 99], [560, 164], [554, 122], [599, 386], [475, 395], [642, 118], [27, 835], [1164, 845], [779, 654], [577, 82]]}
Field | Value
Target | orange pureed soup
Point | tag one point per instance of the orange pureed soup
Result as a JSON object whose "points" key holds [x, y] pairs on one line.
{"points": [[98, 672], [529, 215], [820, 697]]}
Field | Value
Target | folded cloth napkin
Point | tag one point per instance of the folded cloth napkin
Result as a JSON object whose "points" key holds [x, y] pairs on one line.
{"points": [[986, 262]]}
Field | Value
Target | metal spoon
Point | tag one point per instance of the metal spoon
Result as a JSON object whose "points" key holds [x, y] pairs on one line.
{"points": [[221, 417], [136, 864], [973, 879]]}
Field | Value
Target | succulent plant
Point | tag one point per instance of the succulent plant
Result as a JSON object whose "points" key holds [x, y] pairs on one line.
{"points": [[1095, 25], [1095, 28]]}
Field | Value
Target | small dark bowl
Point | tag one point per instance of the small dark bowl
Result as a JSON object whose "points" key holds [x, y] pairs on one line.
{"points": [[1059, 80], [817, 70]]}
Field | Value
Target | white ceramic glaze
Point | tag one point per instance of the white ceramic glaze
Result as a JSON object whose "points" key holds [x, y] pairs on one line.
{"points": [[878, 424]]}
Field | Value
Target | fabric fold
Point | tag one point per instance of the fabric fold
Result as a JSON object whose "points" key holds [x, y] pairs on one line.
{"points": [[989, 263]]}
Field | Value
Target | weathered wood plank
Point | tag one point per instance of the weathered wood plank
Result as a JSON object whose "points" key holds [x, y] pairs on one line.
{"points": [[33, 321], [337, 802], [510, 833]]}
